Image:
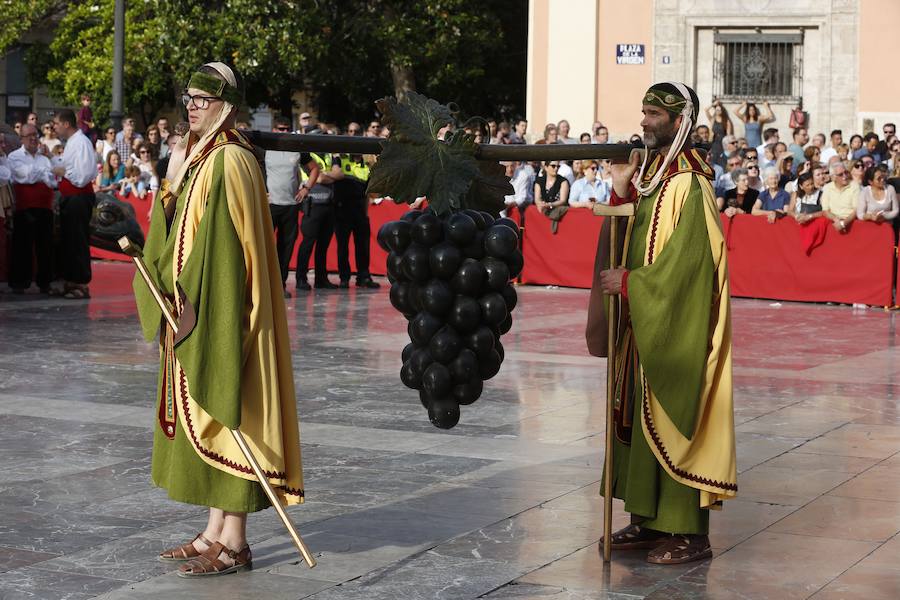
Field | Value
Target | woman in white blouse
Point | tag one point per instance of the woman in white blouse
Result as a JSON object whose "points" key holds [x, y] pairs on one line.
{"points": [[877, 201]]}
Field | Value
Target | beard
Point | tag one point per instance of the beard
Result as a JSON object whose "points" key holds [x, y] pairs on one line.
{"points": [[659, 139]]}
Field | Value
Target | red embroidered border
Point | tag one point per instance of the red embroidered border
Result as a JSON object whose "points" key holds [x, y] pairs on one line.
{"points": [[645, 411], [652, 245], [217, 457]]}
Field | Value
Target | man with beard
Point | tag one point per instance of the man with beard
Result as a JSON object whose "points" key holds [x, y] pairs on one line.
{"points": [[674, 455]]}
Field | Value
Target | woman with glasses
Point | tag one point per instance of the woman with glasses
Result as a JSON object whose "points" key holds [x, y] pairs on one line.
{"points": [[147, 167], [551, 193], [588, 189], [857, 171], [107, 144], [49, 139], [211, 249]]}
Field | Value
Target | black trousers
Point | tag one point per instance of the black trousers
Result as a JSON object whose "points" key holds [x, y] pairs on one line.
{"points": [[317, 227], [284, 220], [351, 218], [32, 242], [74, 232]]}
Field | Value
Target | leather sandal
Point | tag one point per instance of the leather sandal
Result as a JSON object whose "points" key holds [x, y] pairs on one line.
{"points": [[635, 537], [185, 551], [209, 564], [680, 549]]}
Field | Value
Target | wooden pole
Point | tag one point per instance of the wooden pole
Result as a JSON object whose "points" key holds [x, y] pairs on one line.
{"points": [[136, 255]]}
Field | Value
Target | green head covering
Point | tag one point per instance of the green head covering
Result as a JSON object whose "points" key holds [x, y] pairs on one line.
{"points": [[669, 97], [216, 87]]}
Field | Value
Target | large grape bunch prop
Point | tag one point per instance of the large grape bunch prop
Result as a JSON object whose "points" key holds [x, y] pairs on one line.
{"points": [[450, 266], [450, 277]]}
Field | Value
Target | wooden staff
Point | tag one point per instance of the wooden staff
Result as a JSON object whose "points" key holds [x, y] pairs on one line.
{"points": [[137, 256], [612, 310]]}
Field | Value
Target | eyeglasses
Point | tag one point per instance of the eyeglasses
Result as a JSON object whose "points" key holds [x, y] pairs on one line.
{"points": [[842, 174], [144, 152], [30, 135], [753, 168], [554, 166], [282, 128], [592, 168], [201, 102], [860, 166]]}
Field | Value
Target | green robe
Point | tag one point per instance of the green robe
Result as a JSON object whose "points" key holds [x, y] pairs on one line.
{"points": [[671, 296], [176, 466]]}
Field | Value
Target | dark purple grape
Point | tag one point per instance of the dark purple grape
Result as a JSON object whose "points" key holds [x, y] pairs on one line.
{"points": [[497, 273], [445, 345], [507, 222], [437, 381], [493, 308], [397, 236], [501, 242], [468, 392], [488, 218], [381, 237], [420, 360], [443, 413], [464, 367], [395, 266], [510, 296], [407, 351], [444, 259], [425, 399], [428, 230], [498, 348], [489, 365], [475, 248], [415, 263], [423, 327], [481, 341], [476, 216], [437, 297], [506, 325], [401, 298], [515, 263], [465, 314], [410, 377], [469, 279], [410, 216], [460, 229]]}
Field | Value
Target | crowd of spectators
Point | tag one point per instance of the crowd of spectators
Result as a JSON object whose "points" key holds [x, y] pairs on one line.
{"points": [[756, 172]]}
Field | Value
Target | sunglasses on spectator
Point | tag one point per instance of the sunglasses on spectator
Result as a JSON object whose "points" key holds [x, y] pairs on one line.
{"points": [[554, 165], [281, 128], [144, 152], [111, 132], [859, 166], [592, 168]]}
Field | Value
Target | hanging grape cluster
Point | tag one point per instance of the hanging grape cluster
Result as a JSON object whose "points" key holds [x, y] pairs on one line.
{"points": [[450, 277]]}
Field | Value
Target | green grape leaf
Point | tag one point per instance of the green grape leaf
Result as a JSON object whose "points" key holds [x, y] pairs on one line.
{"points": [[416, 163]]}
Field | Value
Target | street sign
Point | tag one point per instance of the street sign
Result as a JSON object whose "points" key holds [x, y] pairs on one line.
{"points": [[629, 54]]}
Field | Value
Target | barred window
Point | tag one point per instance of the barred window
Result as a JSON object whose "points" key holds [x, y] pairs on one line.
{"points": [[758, 66]]}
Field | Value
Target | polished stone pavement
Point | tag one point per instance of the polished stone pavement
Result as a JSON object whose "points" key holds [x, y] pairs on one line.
{"points": [[504, 506]]}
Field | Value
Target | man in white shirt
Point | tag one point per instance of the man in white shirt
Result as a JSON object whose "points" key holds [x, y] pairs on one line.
{"points": [[78, 171], [837, 138], [521, 176], [33, 183]]}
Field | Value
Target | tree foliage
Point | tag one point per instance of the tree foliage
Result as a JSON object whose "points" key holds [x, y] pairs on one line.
{"points": [[346, 52]]}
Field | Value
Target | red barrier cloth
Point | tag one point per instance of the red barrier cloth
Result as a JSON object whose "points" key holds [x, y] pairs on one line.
{"points": [[141, 214], [766, 260], [566, 258]]}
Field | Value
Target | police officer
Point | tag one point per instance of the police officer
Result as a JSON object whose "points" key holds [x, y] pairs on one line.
{"points": [[317, 225], [352, 217]]}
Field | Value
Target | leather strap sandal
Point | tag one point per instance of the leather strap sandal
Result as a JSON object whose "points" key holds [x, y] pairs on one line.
{"points": [[635, 537], [185, 551], [209, 564], [680, 549]]}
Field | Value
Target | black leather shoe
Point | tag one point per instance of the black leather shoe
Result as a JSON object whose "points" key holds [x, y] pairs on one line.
{"points": [[303, 286], [368, 283], [344, 284], [325, 285]]}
